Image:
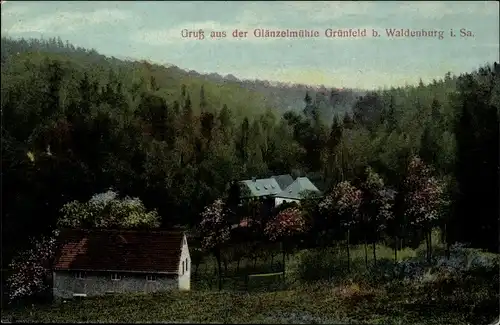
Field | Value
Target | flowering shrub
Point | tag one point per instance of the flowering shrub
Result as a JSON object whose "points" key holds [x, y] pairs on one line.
{"points": [[214, 227], [409, 270], [464, 259], [385, 201], [376, 204], [326, 205], [107, 210], [345, 201], [286, 224], [31, 268], [424, 194], [215, 230]]}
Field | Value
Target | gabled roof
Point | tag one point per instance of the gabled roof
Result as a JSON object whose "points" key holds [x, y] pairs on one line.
{"points": [[262, 187], [283, 180], [295, 190], [119, 250]]}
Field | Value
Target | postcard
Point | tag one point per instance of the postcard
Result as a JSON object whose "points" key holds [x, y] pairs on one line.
{"points": [[293, 162]]}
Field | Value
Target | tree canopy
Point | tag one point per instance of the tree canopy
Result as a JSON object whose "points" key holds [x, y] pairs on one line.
{"points": [[76, 123]]}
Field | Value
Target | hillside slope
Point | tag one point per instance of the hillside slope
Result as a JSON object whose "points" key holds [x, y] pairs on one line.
{"points": [[288, 96], [18, 55], [243, 97]]}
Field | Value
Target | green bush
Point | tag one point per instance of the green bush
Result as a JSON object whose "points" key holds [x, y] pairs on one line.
{"points": [[318, 264]]}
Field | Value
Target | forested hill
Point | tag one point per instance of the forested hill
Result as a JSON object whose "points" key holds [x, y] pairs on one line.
{"points": [[76, 123], [291, 96], [258, 95], [134, 76]]}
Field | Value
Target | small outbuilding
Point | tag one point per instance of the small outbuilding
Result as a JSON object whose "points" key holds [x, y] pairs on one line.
{"points": [[97, 262]]}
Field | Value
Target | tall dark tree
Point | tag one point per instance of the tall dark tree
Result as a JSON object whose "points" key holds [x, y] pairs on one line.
{"points": [[429, 148], [243, 140], [333, 168], [347, 121], [477, 136], [203, 100], [367, 110], [225, 123], [187, 115], [308, 109]]}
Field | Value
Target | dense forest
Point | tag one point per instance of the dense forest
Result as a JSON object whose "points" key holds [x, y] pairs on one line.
{"points": [[76, 123]]}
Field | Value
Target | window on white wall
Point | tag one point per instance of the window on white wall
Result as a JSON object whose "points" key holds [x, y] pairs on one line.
{"points": [[187, 265], [182, 267], [151, 277], [116, 277]]}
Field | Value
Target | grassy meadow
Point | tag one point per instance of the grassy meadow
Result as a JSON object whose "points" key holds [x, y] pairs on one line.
{"points": [[317, 288]]}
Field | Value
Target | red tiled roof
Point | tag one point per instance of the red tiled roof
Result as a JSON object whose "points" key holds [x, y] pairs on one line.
{"points": [[119, 250], [247, 222]]}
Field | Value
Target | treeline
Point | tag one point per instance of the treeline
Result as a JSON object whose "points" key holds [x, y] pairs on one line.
{"points": [[290, 97], [76, 125], [258, 96]]}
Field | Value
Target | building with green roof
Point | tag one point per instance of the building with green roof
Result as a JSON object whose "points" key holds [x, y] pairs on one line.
{"points": [[289, 191], [259, 187], [295, 192], [283, 180]]}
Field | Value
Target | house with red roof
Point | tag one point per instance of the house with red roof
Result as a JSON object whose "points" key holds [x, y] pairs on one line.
{"points": [[95, 262]]}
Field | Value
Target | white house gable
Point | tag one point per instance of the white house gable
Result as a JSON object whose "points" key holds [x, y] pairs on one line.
{"points": [[185, 266]]}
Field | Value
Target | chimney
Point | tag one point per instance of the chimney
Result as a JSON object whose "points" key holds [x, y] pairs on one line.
{"points": [[254, 179]]}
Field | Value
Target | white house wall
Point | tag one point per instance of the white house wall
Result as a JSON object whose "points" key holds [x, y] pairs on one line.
{"points": [[100, 283], [185, 277], [279, 200]]}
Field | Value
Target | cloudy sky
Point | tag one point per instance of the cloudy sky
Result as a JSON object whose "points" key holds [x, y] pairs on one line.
{"points": [[152, 30]]}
